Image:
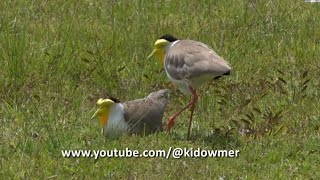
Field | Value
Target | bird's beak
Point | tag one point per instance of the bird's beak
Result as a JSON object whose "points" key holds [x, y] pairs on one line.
{"points": [[95, 114], [159, 53], [152, 54], [102, 117]]}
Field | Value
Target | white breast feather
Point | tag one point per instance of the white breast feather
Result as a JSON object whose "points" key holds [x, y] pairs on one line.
{"points": [[116, 125]]}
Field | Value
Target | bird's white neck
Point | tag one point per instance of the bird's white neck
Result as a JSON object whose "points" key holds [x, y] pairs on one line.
{"points": [[116, 124]]}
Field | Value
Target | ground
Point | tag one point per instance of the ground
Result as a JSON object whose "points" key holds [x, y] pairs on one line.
{"points": [[59, 57]]}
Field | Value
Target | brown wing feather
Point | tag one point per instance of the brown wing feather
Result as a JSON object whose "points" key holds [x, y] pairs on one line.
{"points": [[188, 59], [145, 115]]}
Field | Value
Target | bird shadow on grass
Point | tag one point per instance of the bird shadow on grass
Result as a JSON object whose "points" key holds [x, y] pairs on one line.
{"points": [[217, 138]]}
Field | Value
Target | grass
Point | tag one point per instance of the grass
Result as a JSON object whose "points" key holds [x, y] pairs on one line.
{"points": [[58, 57]]}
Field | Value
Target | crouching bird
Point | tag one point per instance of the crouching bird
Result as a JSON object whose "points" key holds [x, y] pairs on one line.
{"points": [[188, 64], [140, 116]]}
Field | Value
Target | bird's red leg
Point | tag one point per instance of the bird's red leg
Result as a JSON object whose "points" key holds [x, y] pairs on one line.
{"points": [[173, 117], [191, 105]]}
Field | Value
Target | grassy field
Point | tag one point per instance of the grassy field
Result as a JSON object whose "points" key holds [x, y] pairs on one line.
{"points": [[58, 57]]}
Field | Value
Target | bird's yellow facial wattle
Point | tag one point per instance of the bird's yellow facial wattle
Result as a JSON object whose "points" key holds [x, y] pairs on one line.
{"points": [[103, 111], [159, 50]]}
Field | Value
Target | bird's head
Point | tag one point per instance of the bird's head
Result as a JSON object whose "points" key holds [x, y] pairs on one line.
{"points": [[103, 111], [161, 45]]}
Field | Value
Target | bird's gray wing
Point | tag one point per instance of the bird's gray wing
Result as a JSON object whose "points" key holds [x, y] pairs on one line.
{"points": [[145, 115], [188, 59]]}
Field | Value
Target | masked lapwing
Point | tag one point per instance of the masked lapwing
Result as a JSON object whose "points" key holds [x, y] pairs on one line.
{"points": [[188, 64], [140, 116]]}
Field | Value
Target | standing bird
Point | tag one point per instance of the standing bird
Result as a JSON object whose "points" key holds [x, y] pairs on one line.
{"points": [[189, 64], [140, 116]]}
